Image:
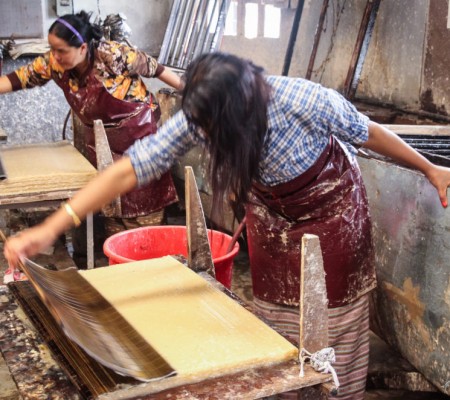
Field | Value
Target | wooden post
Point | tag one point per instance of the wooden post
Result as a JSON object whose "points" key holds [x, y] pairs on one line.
{"points": [[313, 297], [313, 307], [105, 159]]}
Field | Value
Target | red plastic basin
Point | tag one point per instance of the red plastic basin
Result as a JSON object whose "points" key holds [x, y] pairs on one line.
{"points": [[158, 241]]}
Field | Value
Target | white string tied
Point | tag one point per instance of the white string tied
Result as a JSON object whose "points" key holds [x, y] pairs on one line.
{"points": [[321, 361]]}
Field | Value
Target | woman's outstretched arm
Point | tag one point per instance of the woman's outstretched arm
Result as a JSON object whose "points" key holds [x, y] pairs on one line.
{"points": [[387, 143], [119, 178]]}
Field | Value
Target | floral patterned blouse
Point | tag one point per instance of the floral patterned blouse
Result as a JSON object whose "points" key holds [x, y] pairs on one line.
{"points": [[117, 66]]}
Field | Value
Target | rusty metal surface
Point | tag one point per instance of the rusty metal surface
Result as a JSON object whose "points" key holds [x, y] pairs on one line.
{"points": [[361, 47], [317, 35], [293, 37], [35, 370], [388, 370], [434, 96], [411, 236]]}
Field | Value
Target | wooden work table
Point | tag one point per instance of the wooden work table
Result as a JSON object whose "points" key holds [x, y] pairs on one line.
{"points": [[31, 355], [55, 181]]}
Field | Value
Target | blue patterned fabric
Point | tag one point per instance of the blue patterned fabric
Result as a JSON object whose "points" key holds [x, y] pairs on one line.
{"points": [[301, 117]]}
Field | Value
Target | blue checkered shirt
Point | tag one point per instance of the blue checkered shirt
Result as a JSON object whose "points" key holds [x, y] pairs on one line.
{"points": [[301, 117]]}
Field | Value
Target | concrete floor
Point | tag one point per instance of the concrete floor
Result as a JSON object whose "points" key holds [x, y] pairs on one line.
{"points": [[241, 285]]}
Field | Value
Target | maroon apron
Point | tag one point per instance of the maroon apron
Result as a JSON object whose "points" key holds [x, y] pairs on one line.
{"points": [[124, 123], [328, 200]]}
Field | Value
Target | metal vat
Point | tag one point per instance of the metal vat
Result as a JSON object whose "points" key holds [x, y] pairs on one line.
{"points": [[411, 306]]}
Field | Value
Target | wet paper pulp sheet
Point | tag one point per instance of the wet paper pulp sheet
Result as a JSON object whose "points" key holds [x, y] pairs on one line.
{"points": [[44, 167], [185, 323]]}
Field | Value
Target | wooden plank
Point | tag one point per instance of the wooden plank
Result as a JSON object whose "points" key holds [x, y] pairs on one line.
{"points": [[313, 308], [313, 297], [199, 250], [35, 199], [252, 384], [105, 159]]}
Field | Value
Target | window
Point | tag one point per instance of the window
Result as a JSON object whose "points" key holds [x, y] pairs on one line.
{"points": [[272, 21], [231, 20], [253, 19]]}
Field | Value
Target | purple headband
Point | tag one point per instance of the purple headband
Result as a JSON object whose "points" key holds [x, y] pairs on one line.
{"points": [[75, 32]]}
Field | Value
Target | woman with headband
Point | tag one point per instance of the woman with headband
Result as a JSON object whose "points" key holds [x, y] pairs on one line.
{"points": [[102, 80]]}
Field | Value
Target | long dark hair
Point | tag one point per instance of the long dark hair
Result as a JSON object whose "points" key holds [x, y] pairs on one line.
{"points": [[91, 33], [227, 97]]}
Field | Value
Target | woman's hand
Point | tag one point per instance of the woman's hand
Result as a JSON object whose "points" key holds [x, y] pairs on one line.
{"points": [[439, 177], [28, 243], [387, 143]]}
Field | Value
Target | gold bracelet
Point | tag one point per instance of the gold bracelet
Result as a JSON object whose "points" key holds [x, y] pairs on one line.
{"points": [[75, 217]]}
